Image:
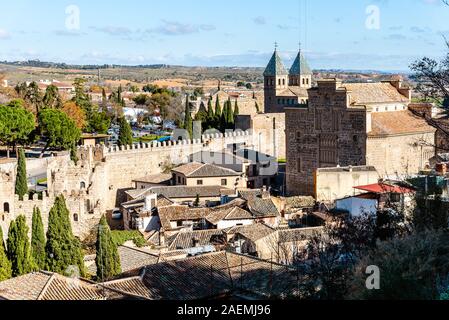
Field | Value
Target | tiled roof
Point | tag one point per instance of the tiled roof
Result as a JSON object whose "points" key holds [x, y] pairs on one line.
{"points": [[252, 232], [161, 178], [174, 192], [190, 239], [275, 67], [49, 286], [366, 93], [259, 206], [299, 202], [202, 170], [300, 66], [131, 259], [294, 92], [229, 211], [398, 122], [210, 275], [180, 213], [133, 286], [292, 235]]}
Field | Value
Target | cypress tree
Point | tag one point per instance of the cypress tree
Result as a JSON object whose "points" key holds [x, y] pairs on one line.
{"points": [[188, 122], [107, 259], [217, 111], [125, 137], [230, 119], [236, 109], [21, 178], [210, 115], [19, 249], [38, 239], [5, 264], [63, 250]]}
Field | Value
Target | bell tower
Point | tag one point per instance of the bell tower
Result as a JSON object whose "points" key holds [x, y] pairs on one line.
{"points": [[275, 80], [300, 74]]}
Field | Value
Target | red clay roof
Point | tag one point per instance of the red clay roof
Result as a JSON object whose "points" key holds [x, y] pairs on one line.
{"points": [[398, 122], [384, 188]]}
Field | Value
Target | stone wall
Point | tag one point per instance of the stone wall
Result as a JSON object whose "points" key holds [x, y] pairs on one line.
{"points": [[97, 182], [396, 157], [337, 183]]}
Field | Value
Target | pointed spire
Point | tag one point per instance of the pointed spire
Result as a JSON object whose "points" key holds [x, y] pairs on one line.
{"points": [[275, 67], [300, 65]]}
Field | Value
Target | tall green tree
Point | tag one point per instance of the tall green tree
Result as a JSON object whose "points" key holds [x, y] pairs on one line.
{"points": [[125, 137], [107, 258], [218, 110], [63, 250], [59, 130], [236, 109], [230, 116], [16, 125], [5, 264], [34, 96], [210, 115], [21, 188], [19, 249], [38, 239], [188, 122], [51, 98]]}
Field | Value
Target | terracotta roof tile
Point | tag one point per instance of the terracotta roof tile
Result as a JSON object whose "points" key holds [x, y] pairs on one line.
{"points": [[398, 122], [366, 93]]}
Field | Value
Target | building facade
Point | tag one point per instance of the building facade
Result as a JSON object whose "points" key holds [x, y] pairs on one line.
{"points": [[355, 125]]}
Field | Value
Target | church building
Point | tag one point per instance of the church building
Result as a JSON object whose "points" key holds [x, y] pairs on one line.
{"points": [[284, 88]]}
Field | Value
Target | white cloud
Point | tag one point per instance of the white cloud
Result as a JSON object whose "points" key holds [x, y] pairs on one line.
{"points": [[4, 34]]}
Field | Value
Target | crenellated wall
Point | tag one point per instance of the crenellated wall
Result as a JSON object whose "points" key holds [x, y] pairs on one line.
{"points": [[97, 182]]}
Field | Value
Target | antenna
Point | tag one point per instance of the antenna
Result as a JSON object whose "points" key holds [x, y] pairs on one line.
{"points": [[275, 46]]}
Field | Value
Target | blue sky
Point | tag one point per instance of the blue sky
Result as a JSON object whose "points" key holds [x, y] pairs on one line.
{"points": [[334, 34]]}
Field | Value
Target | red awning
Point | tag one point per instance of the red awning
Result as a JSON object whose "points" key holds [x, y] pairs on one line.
{"points": [[384, 188]]}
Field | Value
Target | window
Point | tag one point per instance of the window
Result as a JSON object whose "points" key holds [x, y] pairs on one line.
{"points": [[279, 81], [299, 165], [75, 217], [179, 180], [179, 223], [6, 207], [298, 135], [355, 138], [224, 182], [303, 81], [83, 185], [199, 182], [283, 82]]}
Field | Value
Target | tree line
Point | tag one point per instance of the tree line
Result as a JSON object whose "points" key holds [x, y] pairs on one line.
{"points": [[56, 251]]}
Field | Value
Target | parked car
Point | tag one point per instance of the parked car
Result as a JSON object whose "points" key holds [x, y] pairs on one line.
{"points": [[117, 214]]}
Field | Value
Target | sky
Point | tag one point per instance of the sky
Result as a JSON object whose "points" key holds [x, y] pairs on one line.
{"points": [[382, 35]]}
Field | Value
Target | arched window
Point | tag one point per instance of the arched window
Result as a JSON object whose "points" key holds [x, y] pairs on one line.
{"points": [[6, 207], [279, 81], [83, 185], [283, 82], [75, 217]]}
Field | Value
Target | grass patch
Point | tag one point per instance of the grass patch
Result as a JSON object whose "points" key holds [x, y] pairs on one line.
{"points": [[148, 138], [282, 161], [41, 181], [119, 237]]}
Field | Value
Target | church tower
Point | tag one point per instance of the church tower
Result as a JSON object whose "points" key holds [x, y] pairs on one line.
{"points": [[275, 81], [300, 74]]}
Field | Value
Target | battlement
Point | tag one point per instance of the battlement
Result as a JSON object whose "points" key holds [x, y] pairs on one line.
{"points": [[167, 145]]}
